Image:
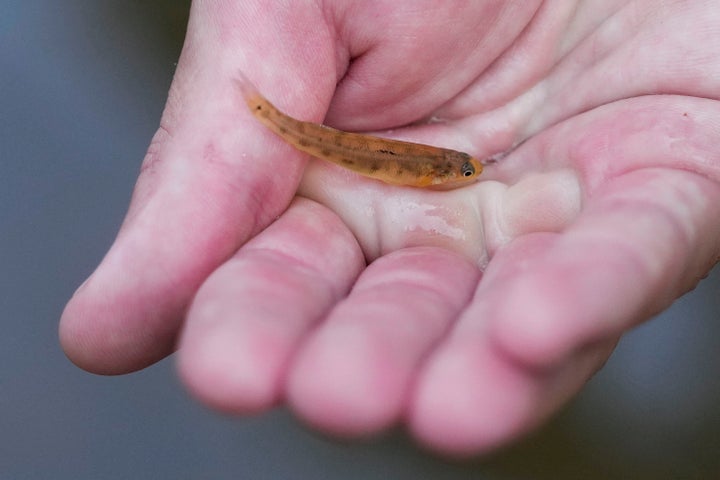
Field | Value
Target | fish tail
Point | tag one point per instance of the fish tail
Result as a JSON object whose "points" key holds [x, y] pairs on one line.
{"points": [[248, 89]]}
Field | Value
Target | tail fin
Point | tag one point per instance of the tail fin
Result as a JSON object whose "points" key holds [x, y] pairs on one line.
{"points": [[247, 88]]}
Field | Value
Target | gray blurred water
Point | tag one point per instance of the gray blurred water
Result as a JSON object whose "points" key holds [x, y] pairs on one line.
{"points": [[82, 86]]}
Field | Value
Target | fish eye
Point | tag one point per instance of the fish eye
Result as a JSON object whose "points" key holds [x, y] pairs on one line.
{"points": [[467, 170]]}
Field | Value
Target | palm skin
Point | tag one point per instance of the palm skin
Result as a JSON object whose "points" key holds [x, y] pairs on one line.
{"points": [[484, 308]]}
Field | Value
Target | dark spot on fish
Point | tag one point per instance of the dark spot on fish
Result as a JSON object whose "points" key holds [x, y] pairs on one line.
{"points": [[374, 167], [325, 152], [389, 152], [282, 129], [347, 161], [303, 142]]}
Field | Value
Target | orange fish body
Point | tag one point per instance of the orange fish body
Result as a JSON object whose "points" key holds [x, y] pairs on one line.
{"points": [[391, 161]]}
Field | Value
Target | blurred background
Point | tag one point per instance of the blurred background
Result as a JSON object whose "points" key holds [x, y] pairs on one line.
{"points": [[82, 86]]}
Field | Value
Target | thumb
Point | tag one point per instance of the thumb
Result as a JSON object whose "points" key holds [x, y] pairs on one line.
{"points": [[206, 186]]}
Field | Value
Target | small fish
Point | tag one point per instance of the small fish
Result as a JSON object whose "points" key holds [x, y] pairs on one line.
{"points": [[391, 161]]}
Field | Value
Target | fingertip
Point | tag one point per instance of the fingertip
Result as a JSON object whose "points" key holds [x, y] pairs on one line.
{"points": [[468, 402], [527, 324], [232, 356], [337, 386], [79, 345], [534, 301], [93, 338], [562, 301], [227, 374]]}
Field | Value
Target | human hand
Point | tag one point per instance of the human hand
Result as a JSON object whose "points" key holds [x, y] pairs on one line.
{"points": [[485, 308]]}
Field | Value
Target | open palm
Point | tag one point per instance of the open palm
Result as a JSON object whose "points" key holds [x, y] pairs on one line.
{"points": [[473, 314]]}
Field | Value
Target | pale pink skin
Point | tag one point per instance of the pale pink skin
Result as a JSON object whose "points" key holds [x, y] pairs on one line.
{"points": [[487, 307]]}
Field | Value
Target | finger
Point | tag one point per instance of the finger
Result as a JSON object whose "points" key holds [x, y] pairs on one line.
{"points": [[250, 314], [646, 238], [472, 398], [352, 375], [547, 299], [213, 178]]}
